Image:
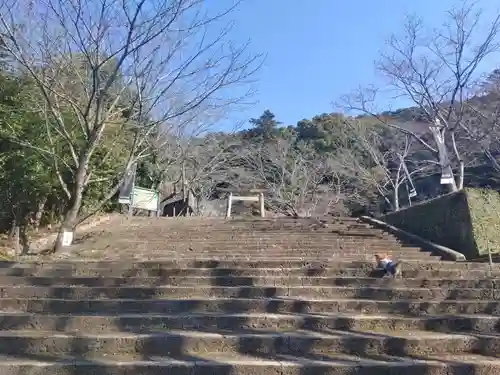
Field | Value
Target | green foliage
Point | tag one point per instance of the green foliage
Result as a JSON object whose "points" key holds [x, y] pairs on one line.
{"points": [[321, 131], [484, 207], [31, 162], [25, 172], [264, 128]]}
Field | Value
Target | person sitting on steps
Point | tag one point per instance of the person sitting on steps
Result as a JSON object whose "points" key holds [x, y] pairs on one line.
{"points": [[389, 267]]}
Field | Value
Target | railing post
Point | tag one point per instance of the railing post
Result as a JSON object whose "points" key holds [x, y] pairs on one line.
{"points": [[262, 209]]}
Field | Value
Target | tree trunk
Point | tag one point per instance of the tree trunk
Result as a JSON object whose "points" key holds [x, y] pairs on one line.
{"points": [[14, 227], [397, 185], [39, 213], [444, 159], [461, 172], [396, 198], [70, 217], [183, 178], [24, 238], [16, 233], [461, 176]]}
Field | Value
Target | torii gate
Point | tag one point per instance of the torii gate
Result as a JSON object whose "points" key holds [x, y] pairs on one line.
{"points": [[248, 195]]}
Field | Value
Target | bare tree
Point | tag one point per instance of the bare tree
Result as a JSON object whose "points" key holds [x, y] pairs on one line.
{"points": [[374, 161], [120, 66], [438, 71], [296, 183], [482, 125], [208, 161]]}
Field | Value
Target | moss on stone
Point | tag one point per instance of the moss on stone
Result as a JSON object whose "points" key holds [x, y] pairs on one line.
{"points": [[484, 208]]}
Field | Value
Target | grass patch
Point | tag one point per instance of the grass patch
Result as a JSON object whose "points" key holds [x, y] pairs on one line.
{"points": [[484, 207]]}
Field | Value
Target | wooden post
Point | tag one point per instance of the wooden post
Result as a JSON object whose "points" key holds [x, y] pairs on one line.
{"points": [[262, 209], [229, 203]]}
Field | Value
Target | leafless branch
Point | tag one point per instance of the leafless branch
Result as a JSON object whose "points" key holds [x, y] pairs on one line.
{"points": [[132, 67]]}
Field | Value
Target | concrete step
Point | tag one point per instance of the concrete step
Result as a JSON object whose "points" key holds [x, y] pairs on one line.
{"points": [[325, 256], [197, 262], [294, 233], [409, 271], [274, 256], [247, 323], [257, 248], [228, 232], [282, 280], [274, 251], [251, 223], [232, 256], [315, 292], [264, 364], [299, 343], [283, 238], [111, 306], [307, 229], [414, 258], [236, 244], [306, 235]]}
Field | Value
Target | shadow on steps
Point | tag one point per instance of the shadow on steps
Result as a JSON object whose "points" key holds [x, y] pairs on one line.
{"points": [[275, 349]]}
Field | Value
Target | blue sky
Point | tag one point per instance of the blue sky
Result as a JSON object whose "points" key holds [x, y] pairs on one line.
{"points": [[318, 50]]}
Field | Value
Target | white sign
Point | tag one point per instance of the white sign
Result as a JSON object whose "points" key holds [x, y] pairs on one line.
{"points": [[124, 200], [67, 239], [145, 199], [446, 175]]}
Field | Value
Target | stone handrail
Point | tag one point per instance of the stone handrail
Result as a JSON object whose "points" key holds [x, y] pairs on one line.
{"points": [[425, 244]]}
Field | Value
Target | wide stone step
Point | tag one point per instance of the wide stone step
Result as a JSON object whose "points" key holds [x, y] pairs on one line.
{"points": [[257, 249], [276, 251], [299, 343], [328, 292], [236, 243], [229, 230], [284, 238], [276, 257], [269, 263], [164, 250], [293, 235], [409, 271], [248, 322], [306, 229], [325, 256], [222, 280], [263, 364], [272, 254], [248, 305]]}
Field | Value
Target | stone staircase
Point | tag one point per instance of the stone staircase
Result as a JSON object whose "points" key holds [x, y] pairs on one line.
{"points": [[246, 297]]}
